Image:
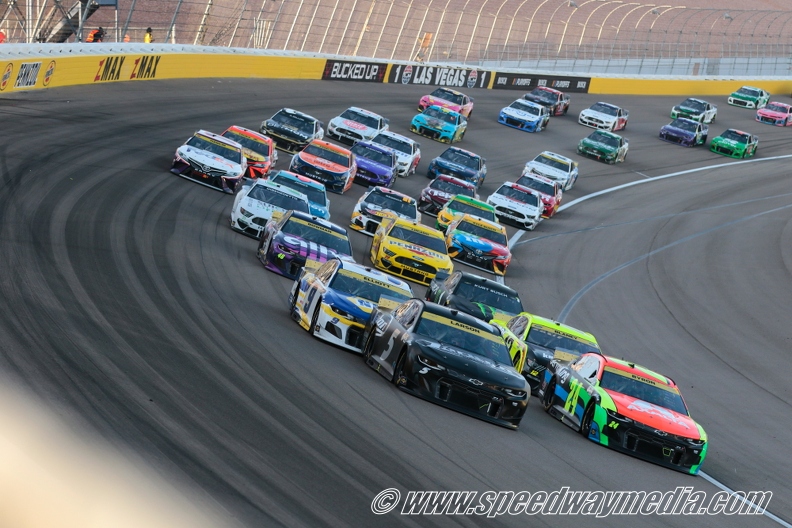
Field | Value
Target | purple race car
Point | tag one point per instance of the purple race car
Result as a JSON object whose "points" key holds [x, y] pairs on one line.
{"points": [[685, 132], [289, 240], [376, 164]]}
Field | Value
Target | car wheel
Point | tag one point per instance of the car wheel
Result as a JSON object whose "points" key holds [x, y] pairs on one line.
{"points": [[293, 302], [565, 110], [263, 251], [588, 417], [368, 346], [398, 379], [786, 122], [462, 135], [315, 318], [547, 398], [704, 139]]}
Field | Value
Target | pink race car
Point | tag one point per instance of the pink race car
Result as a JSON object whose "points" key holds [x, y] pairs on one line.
{"points": [[447, 98], [778, 114]]}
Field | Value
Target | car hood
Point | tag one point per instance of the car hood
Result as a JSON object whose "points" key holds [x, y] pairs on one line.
{"points": [[422, 253], [546, 170], [678, 131], [512, 203], [469, 366], [356, 306], [306, 248], [432, 122], [771, 113], [478, 243], [353, 125], [602, 147], [654, 416], [287, 130], [322, 163], [208, 160], [378, 210], [262, 209], [728, 142], [599, 115], [373, 166], [466, 172], [520, 114]]}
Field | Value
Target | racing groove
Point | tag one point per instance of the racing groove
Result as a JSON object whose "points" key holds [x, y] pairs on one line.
{"points": [[130, 306]]}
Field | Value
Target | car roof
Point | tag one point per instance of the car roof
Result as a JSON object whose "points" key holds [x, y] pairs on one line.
{"points": [[298, 177], [417, 226], [519, 187], [559, 157], [447, 89], [491, 284], [296, 112], [375, 274], [606, 132], [261, 182], [384, 190], [331, 146], [251, 133], [470, 200], [473, 219], [457, 315], [395, 135], [552, 323], [457, 181], [632, 368], [319, 221], [219, 138]]}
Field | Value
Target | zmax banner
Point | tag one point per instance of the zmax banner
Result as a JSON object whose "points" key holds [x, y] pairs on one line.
{"points": [[337, 70], [439, 76], [526, 82]]}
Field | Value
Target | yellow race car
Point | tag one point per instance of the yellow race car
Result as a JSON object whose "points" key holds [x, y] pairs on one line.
{"points": [[410, 250]]}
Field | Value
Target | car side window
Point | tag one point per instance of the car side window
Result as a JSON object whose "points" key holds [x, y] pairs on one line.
{"points": [[326, 270], [409, 313], [452, 281], [587, 367], [518, 324]]}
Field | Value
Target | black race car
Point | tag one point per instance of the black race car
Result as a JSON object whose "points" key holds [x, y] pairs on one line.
{"points": [[447, 357], [482, 298]]}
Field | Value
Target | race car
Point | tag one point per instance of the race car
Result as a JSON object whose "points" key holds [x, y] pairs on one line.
{"points": [[315, 192], [409, 250], [695, 109], [556, 102], [326, 163], [749, 97], [518, 205], [544, 340], [604, 116], [556, 167], [334, 301], [604, 146], [255, 204], [440, 124], [549, 191], [460, 163], [289, 240], [447, 98], [408, 152], [378, 203], [258, 149], [480, 297], [626, 407], [356, 124], [376, 165], [685, 132], [435, 195], [778, 114], [735, 144], [459, 205], [479, 243], [525, 115], [211, 160], [292, 130], [447, 357]]}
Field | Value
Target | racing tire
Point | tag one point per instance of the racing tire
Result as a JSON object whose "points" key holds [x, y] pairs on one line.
{"points": [[315, 318], [398, 379], [263, 256], [565, 110], [585, 423], [368, 346], [704, 140], [462, 135], [547, 398], [293, 303], [786, 122]]}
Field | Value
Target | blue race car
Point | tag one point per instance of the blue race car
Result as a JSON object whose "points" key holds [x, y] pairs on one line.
{"points": [[318, 202], [685, 132], [459, 163], [440, 124], [376, 165], [525, 115]]}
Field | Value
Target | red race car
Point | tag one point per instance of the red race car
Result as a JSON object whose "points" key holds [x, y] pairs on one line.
{"points": [[258, 149]]}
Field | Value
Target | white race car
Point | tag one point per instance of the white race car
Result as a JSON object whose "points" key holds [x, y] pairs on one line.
{"points": [[517, 204], [334, 301], [255, 204], [378, 203], [356, 124], [556, 167], [211, 160], [408, 152], [604, 116]]}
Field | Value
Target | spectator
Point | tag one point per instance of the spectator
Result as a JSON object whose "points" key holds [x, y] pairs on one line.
{"points": [[96, 35], [126, 37], [148, 38]]}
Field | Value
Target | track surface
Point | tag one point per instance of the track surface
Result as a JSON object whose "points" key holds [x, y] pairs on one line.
{"points": [[130, 305]]}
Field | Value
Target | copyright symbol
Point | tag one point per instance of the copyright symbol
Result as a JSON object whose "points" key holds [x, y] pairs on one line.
{"points": [[385, 501]]}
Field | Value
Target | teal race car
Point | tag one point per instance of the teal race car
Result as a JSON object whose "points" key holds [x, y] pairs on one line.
{"points": [[440, 124], [749, 97], [604, 146], [735, 144]]}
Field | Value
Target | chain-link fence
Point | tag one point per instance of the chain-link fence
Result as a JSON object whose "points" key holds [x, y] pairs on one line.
{"points": [[597, 36]]}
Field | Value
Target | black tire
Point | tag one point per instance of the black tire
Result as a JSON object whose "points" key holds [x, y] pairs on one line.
{"points": [[547, 398], [588, 417], [315, 318], [293, 302], [368, 346], [565, 110], [398, 368]]}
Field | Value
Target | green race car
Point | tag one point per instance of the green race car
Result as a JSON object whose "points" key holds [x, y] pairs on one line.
{"points": [[749, 97], [735, 144], [604, 146]]}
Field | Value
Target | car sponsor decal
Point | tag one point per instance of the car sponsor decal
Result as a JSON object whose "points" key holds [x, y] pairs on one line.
{"points": [[318, 227], [336, 70], [27, 76], [519, 81], [9, 69], [439, 76], [355, 124], [642, 379], [48, 73], [462, 326], [372, 280]]}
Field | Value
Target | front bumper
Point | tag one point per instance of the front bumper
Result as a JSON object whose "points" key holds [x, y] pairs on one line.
{"points": [[743, 103], [509, 215], [407, 268], [368, 177], [672, 137], [432, 133], [218, 182], [364, 223], [594, 122], [251, 226], [597, 155], [727, 151], [339, 331], [519, 124], [479, 261]]}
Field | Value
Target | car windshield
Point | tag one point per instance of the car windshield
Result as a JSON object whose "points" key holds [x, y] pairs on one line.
{"points": [[519, 195], [552, 162], [524, 107], [421, 239], [393, 202], [459, 206], [605, 139], [446, 117], [684, 124], [295, 122], [775, 107], [248, 142], [278, 198], [357, 285], [460, 157], [216, 147], [319, 234], [314, 194], [643, 389], [739, 137], [332, 156], [693, 104], [377, 156], [448, 95], [394, 143], [542, 95], [481, 231], [750, 92], [451, 187], [482, 292], [359, 117], [463, 336], [605, 109], [537, 185], [547, 338]]}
